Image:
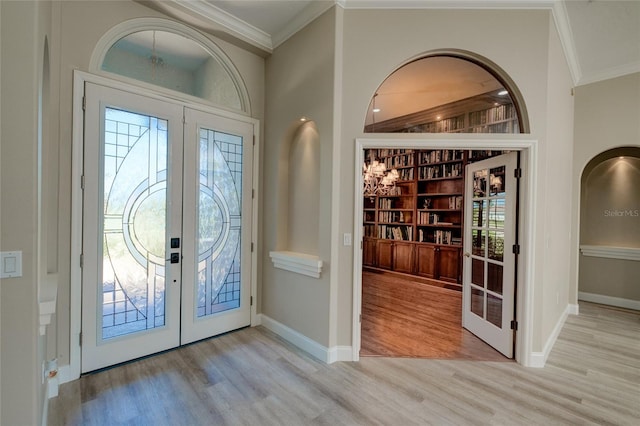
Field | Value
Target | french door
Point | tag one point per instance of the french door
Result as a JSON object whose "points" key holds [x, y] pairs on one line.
{"points": [[489, 260], [166, 226]]}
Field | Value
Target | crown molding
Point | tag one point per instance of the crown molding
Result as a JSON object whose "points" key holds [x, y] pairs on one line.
{"points": [[446, 4], [235, 26], [301, 20], [610, 73], [563, 26]]}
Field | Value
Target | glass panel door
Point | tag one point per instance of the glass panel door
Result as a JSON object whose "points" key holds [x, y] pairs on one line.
{"points": [[489, 280], [217, 248], [167, 226], [132, 201]]}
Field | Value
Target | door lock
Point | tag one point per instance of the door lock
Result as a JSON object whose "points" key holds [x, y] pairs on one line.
{"points": [[175, 243], [175, 257]]}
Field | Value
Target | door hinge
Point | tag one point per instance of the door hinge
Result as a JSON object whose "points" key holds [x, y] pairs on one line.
{"points": [[251, 247], [360, 318], [82, 182], [84, 103], [253, 193], [516, 249], [81, 260], [80, 339], [517, 173], [514, 325], [251, 301], [254, 140]]}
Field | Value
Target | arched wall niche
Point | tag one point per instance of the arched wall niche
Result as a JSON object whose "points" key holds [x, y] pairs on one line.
{"points": [[298, 201], [441, 84], [609, 264], [146, 52], [299, 194]]}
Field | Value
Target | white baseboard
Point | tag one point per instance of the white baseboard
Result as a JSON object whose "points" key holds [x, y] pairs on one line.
{"points": [[574, 309], [609, 300], [313, 348], [539, 359]]}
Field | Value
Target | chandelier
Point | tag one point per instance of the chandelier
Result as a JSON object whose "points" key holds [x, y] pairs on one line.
{"points": [[379, 181]]}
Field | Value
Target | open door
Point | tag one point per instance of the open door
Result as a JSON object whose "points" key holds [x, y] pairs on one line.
{"points": [[489, 258]]}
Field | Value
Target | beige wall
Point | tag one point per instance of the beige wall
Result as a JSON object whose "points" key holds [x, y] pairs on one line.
{"points": [[299, 81], [377, 42], [81, 25], [557, 173], [24, 27], [606, 117]]}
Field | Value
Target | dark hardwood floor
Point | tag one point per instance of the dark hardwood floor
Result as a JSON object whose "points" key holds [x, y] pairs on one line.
{"points": [[405, 318]]}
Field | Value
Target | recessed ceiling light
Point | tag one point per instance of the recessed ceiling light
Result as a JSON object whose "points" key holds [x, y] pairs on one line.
{"points": [[503, 92], [438, 117], [303, 118], [376, 110]]}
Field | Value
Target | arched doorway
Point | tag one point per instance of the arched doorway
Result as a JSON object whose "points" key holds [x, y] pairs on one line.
{"points": [[166, 231], [414, 229]]}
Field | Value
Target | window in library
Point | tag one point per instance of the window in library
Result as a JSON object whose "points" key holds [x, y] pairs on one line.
{"points": [[175, 62], [443, 94]]}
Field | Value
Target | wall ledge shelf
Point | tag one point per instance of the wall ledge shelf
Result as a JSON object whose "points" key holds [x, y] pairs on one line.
{"points": [[47, 299], [299, 263], [609, 252]]}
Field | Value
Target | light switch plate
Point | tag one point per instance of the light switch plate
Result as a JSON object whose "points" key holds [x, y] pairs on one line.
{"points": [[10, 264]]}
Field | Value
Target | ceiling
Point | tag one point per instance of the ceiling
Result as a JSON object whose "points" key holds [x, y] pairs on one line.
{"points": [[601, 38]]}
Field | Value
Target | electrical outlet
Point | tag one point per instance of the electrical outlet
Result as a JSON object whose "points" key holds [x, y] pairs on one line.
{"points": [[346, 238]]}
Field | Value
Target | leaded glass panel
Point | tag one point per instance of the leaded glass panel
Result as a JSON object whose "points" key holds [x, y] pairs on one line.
{"points": [[219, 222], [134, 222]]}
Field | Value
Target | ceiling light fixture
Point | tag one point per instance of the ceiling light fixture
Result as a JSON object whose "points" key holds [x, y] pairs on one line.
{"points": [[503, 92], [303, 118]]}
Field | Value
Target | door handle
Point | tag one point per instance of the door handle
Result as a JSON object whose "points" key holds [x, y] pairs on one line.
{"points": [[175, 258], [467, 254]]}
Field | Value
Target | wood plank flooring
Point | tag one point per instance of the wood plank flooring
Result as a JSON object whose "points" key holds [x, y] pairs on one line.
{"points": [[405, 318], [252, 377]]}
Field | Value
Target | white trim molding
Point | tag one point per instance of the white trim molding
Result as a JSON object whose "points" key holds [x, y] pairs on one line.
{"points": [[539, 359], [609, 300], [610, 252], [300, 263], [313, 348]]}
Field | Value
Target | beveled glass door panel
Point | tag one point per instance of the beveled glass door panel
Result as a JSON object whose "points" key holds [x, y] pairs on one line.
{"points": [[489, 281], [132, 147], [217, 232]]}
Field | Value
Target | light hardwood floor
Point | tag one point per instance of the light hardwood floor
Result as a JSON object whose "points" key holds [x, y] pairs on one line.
{"points": [[251, 377], [402, 317]]}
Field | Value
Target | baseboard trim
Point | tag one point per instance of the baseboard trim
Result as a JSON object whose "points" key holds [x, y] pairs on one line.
{"points": [[539, 359], [609, 300], [574, 309], [313, 348]]}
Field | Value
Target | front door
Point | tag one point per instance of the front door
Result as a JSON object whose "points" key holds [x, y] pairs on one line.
{"points": [[166, 226], [489, 259]]}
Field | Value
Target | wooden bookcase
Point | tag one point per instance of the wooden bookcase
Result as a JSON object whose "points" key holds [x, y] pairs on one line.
{"points": [[418, 229]]}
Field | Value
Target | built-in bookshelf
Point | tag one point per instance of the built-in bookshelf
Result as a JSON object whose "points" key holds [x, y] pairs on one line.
{"points": [[486, 113], [418, 228]]}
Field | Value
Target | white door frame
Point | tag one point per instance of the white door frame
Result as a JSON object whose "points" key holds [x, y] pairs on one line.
{"points": [[75, 303], [527, 226]]}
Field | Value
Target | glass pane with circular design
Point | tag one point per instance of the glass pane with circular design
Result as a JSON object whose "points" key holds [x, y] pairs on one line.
{"points": [[494, 310], [219, 220], [480, 213], [477, 242], [497, 181], [494, 277], [496, 245], [477, 272], [134, 157], [477, 302]]}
